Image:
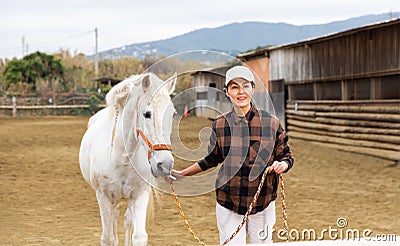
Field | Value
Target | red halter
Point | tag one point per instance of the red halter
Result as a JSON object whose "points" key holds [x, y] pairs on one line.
{"points": [[151, 147]]}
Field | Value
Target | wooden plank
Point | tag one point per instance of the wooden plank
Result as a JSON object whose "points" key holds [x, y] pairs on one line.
{"points": [[395, 109], [357, 140], [340, 144], [369, 137], [361, 116], [355, 102], [10, 107], [357, 136], [51, 107], [352, 116], [301, 113], [344, 122], [344, 129]]}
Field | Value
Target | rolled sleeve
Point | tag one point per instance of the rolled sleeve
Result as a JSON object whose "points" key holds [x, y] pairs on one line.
{"points": [[282, 149]]}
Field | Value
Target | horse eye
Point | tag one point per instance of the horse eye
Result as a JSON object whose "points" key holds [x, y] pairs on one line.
{"points": [[147, 114]]}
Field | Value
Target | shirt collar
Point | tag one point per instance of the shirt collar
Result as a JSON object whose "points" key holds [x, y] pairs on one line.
{"points": [[247, 118]]}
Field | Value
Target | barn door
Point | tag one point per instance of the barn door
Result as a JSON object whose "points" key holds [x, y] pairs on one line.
{"points": [[279, 96], [212, 101]]}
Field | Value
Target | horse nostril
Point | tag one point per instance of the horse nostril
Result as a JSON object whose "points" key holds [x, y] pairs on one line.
{"points": [[160, 166], [162, 169]]}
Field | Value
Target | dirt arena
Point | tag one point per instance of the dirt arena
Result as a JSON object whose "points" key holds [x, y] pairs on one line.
{"points": [[45, 201]]}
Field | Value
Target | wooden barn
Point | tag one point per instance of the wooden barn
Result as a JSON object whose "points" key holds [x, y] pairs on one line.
{"points": [[209, 85], [342, 90], [258, 61], [211, 100], [105, 81]]}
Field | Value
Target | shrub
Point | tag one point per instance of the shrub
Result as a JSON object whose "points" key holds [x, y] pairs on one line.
{"points": [[94, 104]]}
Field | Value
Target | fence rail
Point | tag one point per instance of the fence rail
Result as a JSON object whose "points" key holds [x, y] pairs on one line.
{"points": [[40, 110], [58, 104], [56, 100]]}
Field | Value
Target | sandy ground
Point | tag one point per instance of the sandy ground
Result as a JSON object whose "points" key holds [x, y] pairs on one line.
{"points": [[45, 201]]}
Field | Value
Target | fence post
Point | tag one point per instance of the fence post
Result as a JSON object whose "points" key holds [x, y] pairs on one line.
{"points": [[14, 104]]}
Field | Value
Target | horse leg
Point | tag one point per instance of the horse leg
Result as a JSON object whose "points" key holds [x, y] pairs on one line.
{"points": [[128, 225], [138, 211], [109, 218]]}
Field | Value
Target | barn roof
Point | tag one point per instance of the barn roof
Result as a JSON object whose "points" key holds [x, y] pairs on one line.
{"points": [[218, 70], [107, 80], [265, 52]]}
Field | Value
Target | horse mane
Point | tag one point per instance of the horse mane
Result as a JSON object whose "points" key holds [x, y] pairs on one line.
{"points": [[118, 94]]}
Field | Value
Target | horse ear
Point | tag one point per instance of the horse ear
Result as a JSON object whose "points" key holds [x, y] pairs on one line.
{"points": [[171, 82], [145, 82]]}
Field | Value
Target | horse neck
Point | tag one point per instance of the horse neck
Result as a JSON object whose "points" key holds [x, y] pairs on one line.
{"points": [[130, 120]]}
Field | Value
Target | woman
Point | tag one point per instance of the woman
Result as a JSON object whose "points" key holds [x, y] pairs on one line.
{"points": [[245, 141]]}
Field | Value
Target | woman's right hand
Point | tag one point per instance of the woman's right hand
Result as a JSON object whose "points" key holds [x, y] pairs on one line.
{"points": [[189, 171], [177, 174]]}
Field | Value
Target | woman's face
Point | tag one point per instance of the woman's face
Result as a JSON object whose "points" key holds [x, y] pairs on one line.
{"points": [[240, 91]]}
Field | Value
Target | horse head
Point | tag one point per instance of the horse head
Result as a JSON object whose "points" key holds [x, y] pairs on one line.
{"points": [[154, 113]]}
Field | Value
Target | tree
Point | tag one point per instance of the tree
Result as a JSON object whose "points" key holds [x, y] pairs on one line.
{"points": [[15, 71], [33, 68], [44, 66], [125, 67], [78, 70], [120, 68], [259, 48], [2, 83]]}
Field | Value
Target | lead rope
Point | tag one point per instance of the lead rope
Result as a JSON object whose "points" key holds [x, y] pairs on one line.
{"points": [[284, 215], [255, 198], [178, 204]]}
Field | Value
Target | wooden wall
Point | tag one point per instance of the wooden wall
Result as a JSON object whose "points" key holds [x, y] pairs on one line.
{"points": [[261, 67], [367, 52], [366, 127]]}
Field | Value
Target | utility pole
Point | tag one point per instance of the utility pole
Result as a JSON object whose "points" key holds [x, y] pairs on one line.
{"points": [[96, 57], [23, 46]]}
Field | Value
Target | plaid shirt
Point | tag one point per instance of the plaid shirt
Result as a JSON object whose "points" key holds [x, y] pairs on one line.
{"points": [[246, 146]]}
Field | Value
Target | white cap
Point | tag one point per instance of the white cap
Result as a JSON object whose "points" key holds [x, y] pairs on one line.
{"points": [[238, 72]]}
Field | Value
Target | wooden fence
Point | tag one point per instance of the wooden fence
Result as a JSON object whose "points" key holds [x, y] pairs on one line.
{"points": [[32, 106], [366, 127], [41, 110]]}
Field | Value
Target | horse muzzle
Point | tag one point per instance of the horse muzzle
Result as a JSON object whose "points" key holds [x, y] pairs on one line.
{"points": [[161, 163]]}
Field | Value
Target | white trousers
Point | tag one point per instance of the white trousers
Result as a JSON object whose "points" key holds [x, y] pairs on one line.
{"points": [[258, 227]]}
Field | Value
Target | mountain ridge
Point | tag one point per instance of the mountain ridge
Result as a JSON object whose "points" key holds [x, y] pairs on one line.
{"points": [[239, 37]]}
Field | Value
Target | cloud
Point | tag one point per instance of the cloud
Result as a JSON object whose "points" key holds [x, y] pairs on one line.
{"points": [[122, 22]]}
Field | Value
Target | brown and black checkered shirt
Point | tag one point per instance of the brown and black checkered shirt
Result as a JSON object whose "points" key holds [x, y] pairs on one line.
{"points": [[246, 146]]}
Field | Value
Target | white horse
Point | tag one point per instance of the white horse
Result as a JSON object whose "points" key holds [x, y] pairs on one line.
{"points": [[125, 144]]}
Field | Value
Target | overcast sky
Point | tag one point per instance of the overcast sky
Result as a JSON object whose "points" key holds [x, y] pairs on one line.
{"points": [[49, 25]]}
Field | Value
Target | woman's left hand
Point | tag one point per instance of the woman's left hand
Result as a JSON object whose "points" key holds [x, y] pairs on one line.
{"points": [[279, 167]]}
